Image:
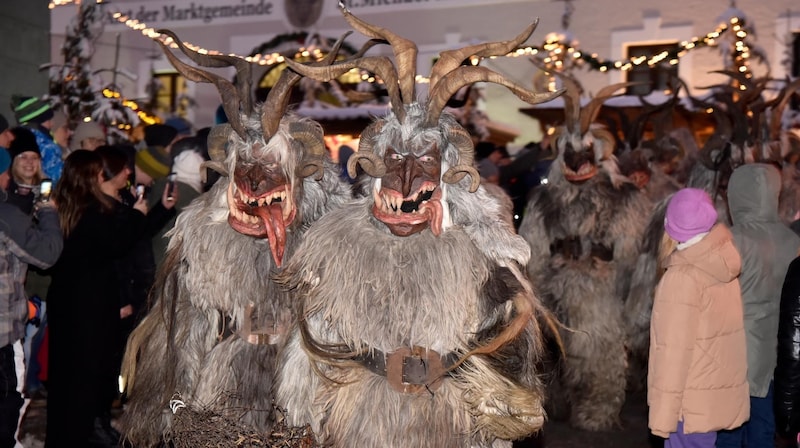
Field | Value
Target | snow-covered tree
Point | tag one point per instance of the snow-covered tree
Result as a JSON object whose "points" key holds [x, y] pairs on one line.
{"points": [[77, 89]]}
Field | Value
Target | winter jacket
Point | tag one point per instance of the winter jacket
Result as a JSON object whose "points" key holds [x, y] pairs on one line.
{"points": [[22, 243], [767, 246], [698, 365], [787, 372]]}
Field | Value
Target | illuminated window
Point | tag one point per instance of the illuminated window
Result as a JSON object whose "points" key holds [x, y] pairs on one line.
{"points": [[171, 96], [656, 77]]}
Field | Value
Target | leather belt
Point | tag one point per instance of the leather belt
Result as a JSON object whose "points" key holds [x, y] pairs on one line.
{"points": [[571, 248], [410, 370]]}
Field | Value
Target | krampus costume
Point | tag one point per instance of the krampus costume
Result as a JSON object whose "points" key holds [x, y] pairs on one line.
{"points": [[209, 345], [583, 228], [416, 324]]}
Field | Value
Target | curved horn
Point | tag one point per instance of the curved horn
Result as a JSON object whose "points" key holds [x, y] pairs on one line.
{"points": [[274, 107], [461, 139], [776, 115], [369, 161], [229, 94], [310, 136], [405, 52], [589, 113], [450, 60], [380, 65], [572, 104], [217, 149], [243, 68], [451, 82]]}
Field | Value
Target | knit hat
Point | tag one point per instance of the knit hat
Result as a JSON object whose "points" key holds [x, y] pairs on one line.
{"points": [[84, 130], [181, 125], [30, 110], [154, 161], [690, 212], [187, 169], [159, 134], [3, 124], [24, 141], [5, 160]]}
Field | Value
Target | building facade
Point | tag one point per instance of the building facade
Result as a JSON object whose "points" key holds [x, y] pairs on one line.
{"points": [[602, 31]]}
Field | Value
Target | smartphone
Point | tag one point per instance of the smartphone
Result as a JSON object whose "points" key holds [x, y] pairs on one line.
{"points": [[139, 191], [171, 185], [45, 188]]}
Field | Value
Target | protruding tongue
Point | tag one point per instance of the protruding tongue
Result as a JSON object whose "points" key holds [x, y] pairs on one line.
{"points": [[276, 230], [433, 211]]}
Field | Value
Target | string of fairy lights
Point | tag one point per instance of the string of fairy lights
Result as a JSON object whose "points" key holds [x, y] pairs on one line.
{"points": [[556, 53]]}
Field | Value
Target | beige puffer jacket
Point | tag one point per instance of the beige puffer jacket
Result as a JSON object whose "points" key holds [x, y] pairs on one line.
{"points": [[698, 359]]}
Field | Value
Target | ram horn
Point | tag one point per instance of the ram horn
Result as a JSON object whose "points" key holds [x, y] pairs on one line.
{"points": [[310, 136], [365, 156], [461, 139]]}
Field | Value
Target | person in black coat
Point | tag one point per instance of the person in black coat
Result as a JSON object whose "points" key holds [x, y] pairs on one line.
{"points": [[787, 372], [83, 302]]}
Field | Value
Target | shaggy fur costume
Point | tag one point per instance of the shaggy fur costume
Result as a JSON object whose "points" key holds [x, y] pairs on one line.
{"points": [[216, 283], [360, 289], [586, 292]]}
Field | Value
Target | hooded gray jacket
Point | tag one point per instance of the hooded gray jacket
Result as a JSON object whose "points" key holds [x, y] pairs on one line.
{"points": [[767, 246]]}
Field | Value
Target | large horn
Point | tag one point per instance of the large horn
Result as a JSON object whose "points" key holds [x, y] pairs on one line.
{"points": [[230, 98], [369, 161], [572, 104], [405, 52], [589, 113], [243, 68], [451, 60], [379, 65], [451, 82], [310, 136], [274, 107], [461, 139]]}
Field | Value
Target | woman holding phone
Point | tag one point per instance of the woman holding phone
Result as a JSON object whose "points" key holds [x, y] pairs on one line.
{"points": [[83, 311]]}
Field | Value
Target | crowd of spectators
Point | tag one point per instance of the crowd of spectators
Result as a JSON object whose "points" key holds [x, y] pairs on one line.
{"points": [[79, 261]]}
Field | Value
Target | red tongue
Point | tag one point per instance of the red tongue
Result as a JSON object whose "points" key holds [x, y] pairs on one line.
{"points": [[276, 230]]}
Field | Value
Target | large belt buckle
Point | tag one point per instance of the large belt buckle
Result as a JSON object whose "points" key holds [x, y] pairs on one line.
{"points": [[414, 370]]}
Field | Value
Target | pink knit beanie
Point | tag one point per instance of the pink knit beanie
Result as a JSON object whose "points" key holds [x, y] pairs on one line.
{"points": [[690, 212]]}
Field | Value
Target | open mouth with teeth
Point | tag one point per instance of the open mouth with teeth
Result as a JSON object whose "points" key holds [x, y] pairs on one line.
{"points": [[586, 171], [264, 216], [401, 214]]}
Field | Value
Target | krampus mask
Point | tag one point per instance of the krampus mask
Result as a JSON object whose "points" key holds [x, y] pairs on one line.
{"points": [[583, 148], [268, 160], [415, 151]]}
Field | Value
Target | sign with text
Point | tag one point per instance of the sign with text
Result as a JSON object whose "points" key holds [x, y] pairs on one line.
{"points": [[300, 13]]}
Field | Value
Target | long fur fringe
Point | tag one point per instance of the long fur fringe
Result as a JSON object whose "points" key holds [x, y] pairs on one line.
{"points": [[362, 288], [587, 294], [213, 277]]}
